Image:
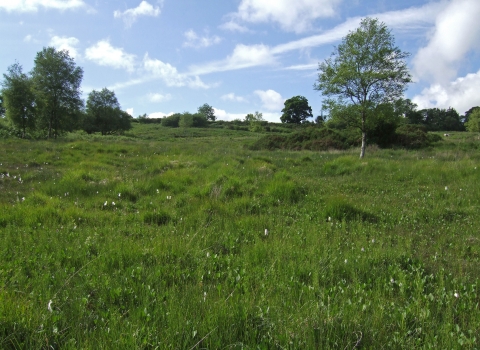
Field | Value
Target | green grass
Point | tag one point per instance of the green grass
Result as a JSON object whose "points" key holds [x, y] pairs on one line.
{"points": [[382, 252]]}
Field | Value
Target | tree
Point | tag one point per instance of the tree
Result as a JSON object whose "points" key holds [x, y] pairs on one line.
{"points": [[104, 114], [207, 111], [56, 82], [2, 108], [257, 117], [473, 123], [365, 70], [468, 113], [296, 110], [19, 98]]}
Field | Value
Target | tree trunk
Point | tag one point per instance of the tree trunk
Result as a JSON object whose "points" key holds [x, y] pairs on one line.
{"points": [[364, 144], [364, 136]]}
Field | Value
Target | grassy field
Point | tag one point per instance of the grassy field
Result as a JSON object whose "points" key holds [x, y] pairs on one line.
{"points": [[158, 240]]}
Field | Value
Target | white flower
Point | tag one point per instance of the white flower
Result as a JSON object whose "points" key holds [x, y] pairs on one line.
{"points": [[456, 295], [105, 204], [113, 203], [266, 232], [446, 188], [208, 254], [23, 198], [169, 197], [392, 280], [204, 296], [119, 195], [373, 240], [49, 307], [158, 191], [363, 249], [346, 260]]}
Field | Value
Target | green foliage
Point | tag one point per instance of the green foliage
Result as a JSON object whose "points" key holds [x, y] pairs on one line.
{"points": [[188, 120], [365, 70], [103, 113], [19, 99], [207, 112], [2, 107], [56, 83], [296, 110], [172, 121], [155, 241], [473, 123]]}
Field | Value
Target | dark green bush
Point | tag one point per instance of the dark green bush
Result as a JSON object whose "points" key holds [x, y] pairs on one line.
{"points": [[172, 121]]}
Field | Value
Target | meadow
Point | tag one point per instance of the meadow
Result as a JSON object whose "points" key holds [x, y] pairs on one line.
{"points": [[188, 239]]}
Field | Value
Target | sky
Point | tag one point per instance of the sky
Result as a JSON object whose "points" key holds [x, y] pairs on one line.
{"points": [[240, 56]]}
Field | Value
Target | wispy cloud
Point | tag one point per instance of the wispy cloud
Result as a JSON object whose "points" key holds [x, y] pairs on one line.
{"points": [[104, 54], [232, 97], [35, 5], [156, 97], [196, 41], [243, 56], [170, 75], [144, 9]]}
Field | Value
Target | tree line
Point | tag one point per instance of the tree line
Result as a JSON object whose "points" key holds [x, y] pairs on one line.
{"points": [[47, 101]]}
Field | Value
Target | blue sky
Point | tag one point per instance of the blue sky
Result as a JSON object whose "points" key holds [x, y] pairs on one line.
{"points": [[240, 56]]}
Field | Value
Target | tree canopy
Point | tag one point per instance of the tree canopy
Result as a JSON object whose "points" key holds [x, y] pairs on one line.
{"points": [[56, 82], [19, 98], [207, 111], [104, 114], [365, 71], [473, 123], [296, 110]]}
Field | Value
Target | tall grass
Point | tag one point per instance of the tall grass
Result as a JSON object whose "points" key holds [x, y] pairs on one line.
{"points": [[157, 241]]}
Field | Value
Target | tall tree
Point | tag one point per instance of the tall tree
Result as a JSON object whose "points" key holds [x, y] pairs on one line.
{"points": [[365, 71], [296, 110], [473, 123], [56, 80], [2, 107], [19, 98], [103, 113], [207, 111]]}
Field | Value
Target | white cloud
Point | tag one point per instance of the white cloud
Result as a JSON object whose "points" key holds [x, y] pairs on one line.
{"points": [[34, 5], [461, 94], [28, 38], [129, 111], [296, 16], [243, 56], [271, 100], [232, 97], [306, 66], [170, 75], [105, 54], [159, 115], [144, 9], [193, 40], [221, 114], [66, 43], [234, 27], [156, 97], [456, 33]]}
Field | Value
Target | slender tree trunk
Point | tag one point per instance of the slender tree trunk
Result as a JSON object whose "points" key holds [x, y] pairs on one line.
{"points": [[364, 144], [364, 137]]}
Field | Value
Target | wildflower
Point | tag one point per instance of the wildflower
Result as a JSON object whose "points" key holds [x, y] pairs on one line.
{"points": [[204, 296], [158, 191], [113, 203], [363, 249], [456, 294], [169, 197], [266, 232], [23, 198], [446, 188], [392, 280], [105, 204], [119, 195], [373, 240], [49, 307], [329, 219], [346, 260], [208, 254]]}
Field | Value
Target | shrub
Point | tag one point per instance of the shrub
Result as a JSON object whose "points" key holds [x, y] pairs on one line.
{"points": [[172, 121], [411, 136]]}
